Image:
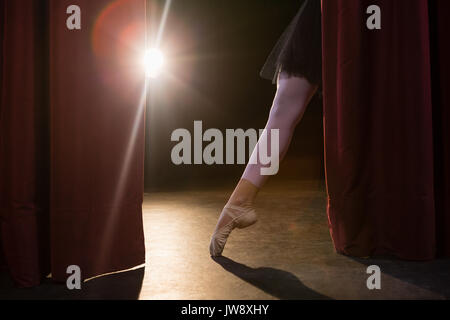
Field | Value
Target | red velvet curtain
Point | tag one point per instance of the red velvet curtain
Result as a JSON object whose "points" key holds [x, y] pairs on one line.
{"points": [[72, 137], [386, 119]]}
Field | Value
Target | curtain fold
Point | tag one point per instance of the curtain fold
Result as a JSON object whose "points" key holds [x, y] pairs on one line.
{"points": [[21, 205], [381, 106], [440, 71], [72, 138]]}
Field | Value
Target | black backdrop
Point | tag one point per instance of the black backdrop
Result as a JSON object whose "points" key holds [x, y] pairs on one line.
{"points": [[215, 52]]}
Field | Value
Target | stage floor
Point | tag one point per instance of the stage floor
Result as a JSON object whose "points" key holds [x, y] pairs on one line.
{"points": [[288, 254]]}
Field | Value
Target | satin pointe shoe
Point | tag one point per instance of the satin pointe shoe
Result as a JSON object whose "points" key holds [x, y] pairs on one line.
{"points": [[231, 217]]}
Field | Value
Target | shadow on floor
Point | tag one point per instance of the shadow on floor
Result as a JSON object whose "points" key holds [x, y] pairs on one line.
{"points": [[278, 283], [120, 286], [430, 275]]}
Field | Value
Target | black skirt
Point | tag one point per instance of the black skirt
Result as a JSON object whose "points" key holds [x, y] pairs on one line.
{"points": [[299, 50]]}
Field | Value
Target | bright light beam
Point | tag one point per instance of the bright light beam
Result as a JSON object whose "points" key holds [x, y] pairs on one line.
{"points": [[154, 62], [163, 22], [111, 224], [154, 58]]}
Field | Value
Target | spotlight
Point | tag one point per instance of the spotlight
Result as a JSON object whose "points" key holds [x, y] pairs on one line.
{"points": [[153, 62]]}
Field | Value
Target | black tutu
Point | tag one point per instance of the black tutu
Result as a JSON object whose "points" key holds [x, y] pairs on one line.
{"points": [[299, 50]]}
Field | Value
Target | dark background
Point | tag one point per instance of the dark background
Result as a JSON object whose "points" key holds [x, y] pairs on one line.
{"points": [[215, 50]]}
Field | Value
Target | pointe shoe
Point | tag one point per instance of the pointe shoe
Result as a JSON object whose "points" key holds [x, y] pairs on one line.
{"points": [[239, 217]]}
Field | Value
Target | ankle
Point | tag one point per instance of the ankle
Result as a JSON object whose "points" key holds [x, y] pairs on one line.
{"points": [[244, 195], [241, 202]]}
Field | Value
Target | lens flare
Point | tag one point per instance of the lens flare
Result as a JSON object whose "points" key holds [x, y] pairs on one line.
{"points": [[154, 62]]}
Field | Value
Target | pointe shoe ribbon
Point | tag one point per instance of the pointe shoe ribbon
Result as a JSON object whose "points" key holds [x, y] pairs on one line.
{"points": [[235, 217]]}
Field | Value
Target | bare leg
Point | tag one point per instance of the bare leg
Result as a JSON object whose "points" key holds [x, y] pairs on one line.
{"points": [[292, 97]]}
